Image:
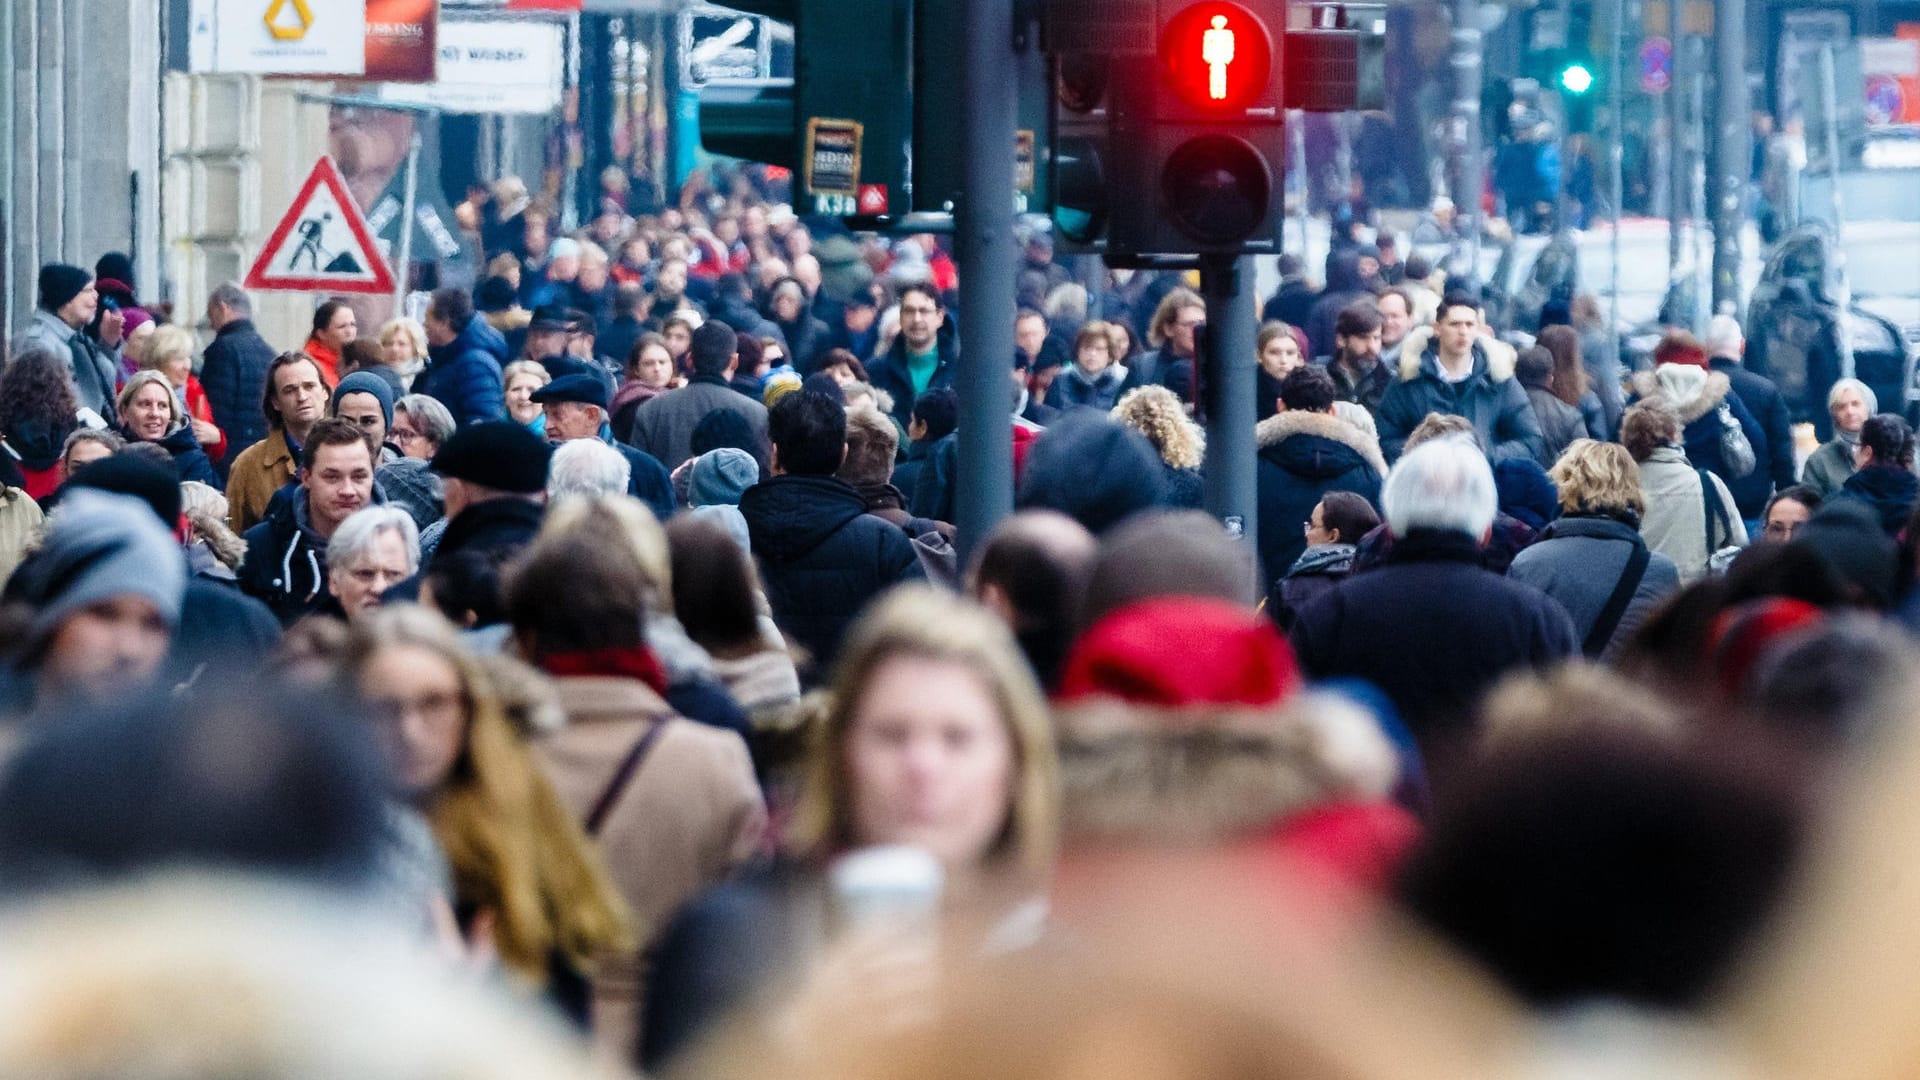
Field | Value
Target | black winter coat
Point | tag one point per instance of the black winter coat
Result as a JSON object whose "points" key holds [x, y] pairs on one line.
{"points": [[1888, 490], [1435, 631], [189, 460], [234, 375], [1702, 433], [1490, 398], [1313, 575], [1773, 454], [822, 556], [1560, 424], [464, 374], [1302, 457], [889, 372], [496, 527]]}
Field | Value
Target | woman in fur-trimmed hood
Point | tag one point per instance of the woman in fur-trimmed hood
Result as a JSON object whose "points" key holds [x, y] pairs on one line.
{"points": [[1681, 378], [1305, 452], [1180, 723]]}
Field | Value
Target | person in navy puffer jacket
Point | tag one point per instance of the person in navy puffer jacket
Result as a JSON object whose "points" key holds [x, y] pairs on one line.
{"points": [[464, 355]]}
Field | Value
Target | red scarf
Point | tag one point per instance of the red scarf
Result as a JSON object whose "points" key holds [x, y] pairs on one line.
{"points": [[625, 662]]}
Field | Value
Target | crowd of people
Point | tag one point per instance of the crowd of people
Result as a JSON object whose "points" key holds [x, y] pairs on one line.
{"points": [[603, 636]]}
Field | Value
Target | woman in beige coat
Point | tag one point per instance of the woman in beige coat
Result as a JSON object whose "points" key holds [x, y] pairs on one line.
{"points": [[672, 804], [1683, 520]]}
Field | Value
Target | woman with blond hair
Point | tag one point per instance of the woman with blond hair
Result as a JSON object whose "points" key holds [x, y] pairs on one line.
{"points": [[150, 412], [1171, 333], [1592, 558], [403, 347], [526, 882], [521, 379], [169, 350], [935, 736], [1156, 413]]}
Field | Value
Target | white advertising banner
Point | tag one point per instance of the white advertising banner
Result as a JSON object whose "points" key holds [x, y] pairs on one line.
{"points": [[492, 66], [277, 37]]}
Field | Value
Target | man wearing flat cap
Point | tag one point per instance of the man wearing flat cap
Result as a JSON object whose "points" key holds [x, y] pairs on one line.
{"points": [[495, 475], [576, 408]]}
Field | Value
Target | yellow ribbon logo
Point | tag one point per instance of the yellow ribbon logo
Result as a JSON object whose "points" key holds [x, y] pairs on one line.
{"points": [[289, 33]]}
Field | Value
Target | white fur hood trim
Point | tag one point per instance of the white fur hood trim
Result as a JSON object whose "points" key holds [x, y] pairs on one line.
{"points": [[1277, 428], [1692, 392], [1499, 355]]}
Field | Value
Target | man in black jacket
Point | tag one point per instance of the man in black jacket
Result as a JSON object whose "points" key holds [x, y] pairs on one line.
{"points": [[823, 557], [1432, 627], [234, 371]]}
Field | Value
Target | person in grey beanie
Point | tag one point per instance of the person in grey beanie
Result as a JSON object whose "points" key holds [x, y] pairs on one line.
{"points": [[91, 613], [367, 400], [714, 486]]}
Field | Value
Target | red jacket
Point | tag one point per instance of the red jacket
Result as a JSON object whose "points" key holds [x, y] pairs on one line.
{"points": [[198, 409]]}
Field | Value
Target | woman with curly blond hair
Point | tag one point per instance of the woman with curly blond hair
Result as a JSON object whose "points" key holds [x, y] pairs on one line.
{"points": [[525, 878], [1156, 412], [1592, 558]]}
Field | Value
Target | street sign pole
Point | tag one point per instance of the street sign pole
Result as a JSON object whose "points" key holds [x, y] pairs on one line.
{"points": [[1735, 153], [1843, 318], [403, 259], [984, 243], [1616, 157]]}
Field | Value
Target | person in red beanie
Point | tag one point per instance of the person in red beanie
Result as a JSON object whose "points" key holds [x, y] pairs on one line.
{"points": [[1719, 432], [1182, 724]]}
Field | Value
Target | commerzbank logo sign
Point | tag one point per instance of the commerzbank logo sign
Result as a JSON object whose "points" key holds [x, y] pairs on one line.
{"points": [[289, 20]]}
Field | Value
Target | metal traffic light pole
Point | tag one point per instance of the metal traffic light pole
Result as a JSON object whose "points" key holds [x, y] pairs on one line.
{"points": [[984, 244], [1228, 383]]}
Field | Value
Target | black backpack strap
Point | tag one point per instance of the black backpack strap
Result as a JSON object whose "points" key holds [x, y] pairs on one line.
{"points": [[623, 776], [1715, 510], [1616, 609]]}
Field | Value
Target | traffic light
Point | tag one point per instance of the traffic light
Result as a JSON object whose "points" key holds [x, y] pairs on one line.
{"points": [[1169, 116], [842, 125], [1575, 78]]}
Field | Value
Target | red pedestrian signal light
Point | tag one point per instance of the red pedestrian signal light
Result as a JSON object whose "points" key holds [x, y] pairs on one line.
{"points": [[1216, 56]]}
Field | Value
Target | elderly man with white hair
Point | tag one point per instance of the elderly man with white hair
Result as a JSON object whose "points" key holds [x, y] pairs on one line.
{"points": [[1431, 626], [586, 467], [1774, 470], [372, 551], [1850, 403]]}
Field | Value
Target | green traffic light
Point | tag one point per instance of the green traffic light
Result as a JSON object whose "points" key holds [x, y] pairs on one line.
{"points": [[1576, 79]]}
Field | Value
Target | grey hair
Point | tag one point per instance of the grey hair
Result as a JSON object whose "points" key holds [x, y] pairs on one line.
{"points": [[1866, 394], [1444, 484], [436, 423], [230, 295], [355, 536], [1066, 302], [587, 467]]}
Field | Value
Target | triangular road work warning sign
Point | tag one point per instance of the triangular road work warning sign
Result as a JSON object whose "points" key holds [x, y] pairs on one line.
{"points": [[323, 243]]}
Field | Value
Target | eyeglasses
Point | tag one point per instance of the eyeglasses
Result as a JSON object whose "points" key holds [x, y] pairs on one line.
{"points": [[402, 436], [433, 706]]}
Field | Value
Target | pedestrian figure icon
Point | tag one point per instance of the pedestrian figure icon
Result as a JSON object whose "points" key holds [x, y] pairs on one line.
{"points": [[310, 249]]}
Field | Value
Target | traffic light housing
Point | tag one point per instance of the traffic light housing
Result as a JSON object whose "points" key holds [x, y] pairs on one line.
{"points": [[1169, 117], [842, 124]]}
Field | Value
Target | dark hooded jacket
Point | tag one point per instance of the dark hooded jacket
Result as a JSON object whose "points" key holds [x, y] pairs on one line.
{"points": [[822, 556], [1303, 456], [1697, 402], [464, 374], [1773, 454], [286, 564], [1489, 397]]}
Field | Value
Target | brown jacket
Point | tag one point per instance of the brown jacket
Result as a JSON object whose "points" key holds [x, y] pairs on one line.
{"points": [[690, 814], [259, 471]]}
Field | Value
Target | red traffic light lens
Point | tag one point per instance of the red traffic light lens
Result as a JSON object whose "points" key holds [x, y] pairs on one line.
{"points": [[1216, 189], [1216, 55]]}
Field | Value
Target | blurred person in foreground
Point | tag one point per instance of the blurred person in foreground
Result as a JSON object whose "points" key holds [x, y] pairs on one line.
{"points": [[527, 885], [90, 614], [1431, 626], [670, 803], [935, 736]]}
